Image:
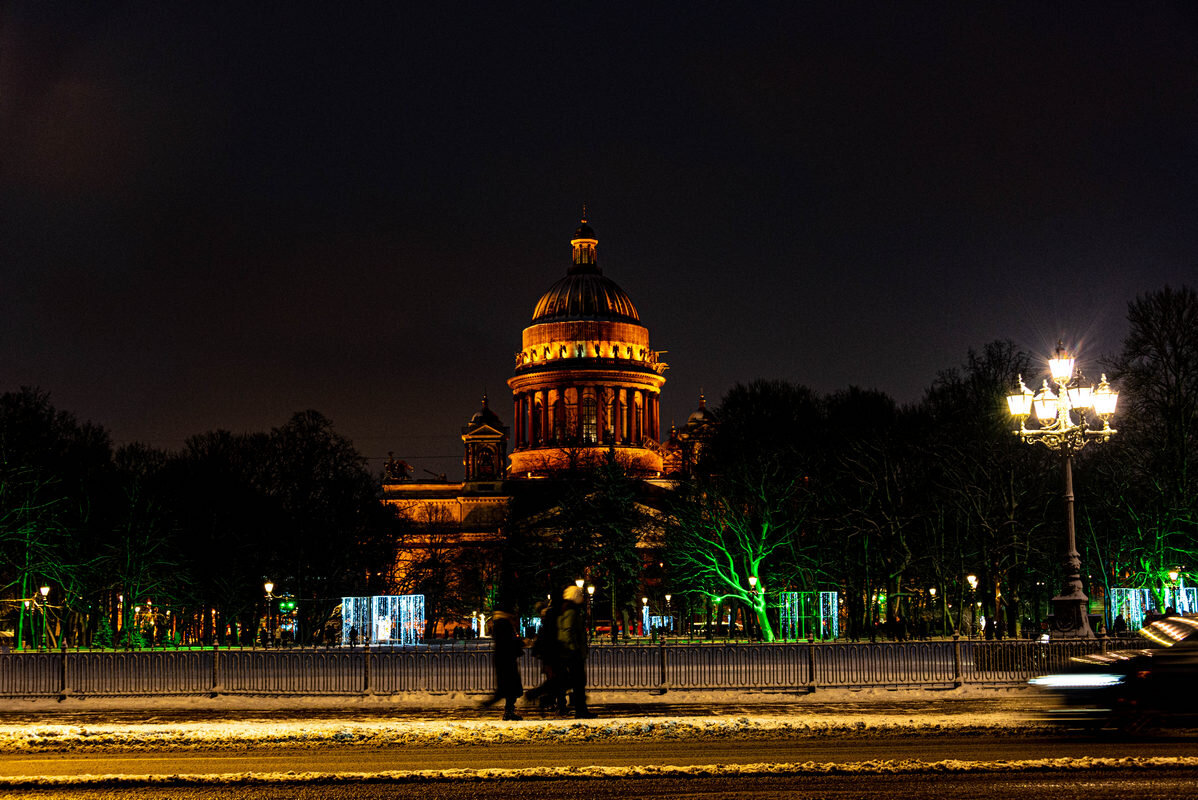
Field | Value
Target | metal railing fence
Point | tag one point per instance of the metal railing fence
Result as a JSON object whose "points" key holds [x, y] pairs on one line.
{"points": [[781, 667]]}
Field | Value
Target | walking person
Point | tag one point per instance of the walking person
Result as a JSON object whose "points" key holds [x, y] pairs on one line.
{"points": [[572, 637], [506, 658], [552, 691]]}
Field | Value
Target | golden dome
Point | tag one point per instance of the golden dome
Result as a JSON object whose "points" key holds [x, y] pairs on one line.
{"points": [[585, 295]]}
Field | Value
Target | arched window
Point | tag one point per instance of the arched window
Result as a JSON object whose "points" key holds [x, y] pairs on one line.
{"points": [[590, 420]]}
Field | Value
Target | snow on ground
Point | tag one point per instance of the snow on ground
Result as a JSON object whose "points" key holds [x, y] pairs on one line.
{"points": [[364, 721], [422, 700], [1080, 765], [383, 733]]}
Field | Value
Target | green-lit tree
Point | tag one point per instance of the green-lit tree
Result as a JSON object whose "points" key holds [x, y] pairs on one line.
{"points": [[742, 528], [56, 502]]}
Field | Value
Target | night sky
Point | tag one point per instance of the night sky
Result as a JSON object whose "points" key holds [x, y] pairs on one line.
{"points": [[214, 216]]}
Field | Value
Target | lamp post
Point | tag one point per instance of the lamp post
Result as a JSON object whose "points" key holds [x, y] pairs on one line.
{"points": [[269, 587], [1064, 424], [973, 609], [932, 594], [753, 597], [45, 592], [644, 615], [591, 608], [669, 613]]}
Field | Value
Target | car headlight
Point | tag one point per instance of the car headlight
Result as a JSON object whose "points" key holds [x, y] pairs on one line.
{"points": [[1078, 680]]}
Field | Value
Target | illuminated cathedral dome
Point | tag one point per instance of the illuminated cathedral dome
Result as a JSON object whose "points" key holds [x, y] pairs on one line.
{"points": [[585, 295], [586, 379]]}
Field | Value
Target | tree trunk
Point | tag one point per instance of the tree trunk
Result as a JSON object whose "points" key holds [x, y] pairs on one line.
{"points": [[763, 622]]}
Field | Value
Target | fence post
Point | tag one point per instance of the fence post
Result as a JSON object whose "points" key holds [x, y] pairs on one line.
{"points": [[366, 668], [62, 674], [215, 667], [811, 662], [661, 648], [958, 680]]}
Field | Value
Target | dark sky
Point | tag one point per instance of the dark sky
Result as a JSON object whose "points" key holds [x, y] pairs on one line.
{"points": [[214, 216]]}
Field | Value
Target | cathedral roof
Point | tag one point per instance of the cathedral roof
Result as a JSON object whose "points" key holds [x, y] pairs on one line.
{"points": [[585, 293], [484, 416]]}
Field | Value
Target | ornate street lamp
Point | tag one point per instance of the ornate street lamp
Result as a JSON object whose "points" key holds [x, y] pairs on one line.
{"points": [[591, 608], [1066, 422], [45, 592], [270, 632], [750, 631]]}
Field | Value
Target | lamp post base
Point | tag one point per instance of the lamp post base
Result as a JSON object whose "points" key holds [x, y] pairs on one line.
{"points": [[1071, 618]]}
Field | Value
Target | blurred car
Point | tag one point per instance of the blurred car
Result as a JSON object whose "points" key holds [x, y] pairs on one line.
{"points": [[1136, 690]]}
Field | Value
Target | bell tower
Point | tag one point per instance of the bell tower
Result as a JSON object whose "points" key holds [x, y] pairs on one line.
{"points": [[485, 439]]}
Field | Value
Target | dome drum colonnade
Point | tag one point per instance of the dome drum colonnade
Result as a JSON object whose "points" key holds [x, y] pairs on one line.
{"points": [[585, 376]]}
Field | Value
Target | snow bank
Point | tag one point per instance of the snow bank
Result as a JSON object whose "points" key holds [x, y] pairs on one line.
{"points": [[426, 700], [599, 773], [242, 733]]}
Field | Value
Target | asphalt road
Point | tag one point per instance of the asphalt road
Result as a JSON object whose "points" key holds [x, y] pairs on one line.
{"points": [[227, 768], [1100, 785], [352, 758]]}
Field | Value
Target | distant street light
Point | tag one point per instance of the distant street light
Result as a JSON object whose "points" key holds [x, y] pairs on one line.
{"points": [[973, 592], [750, 628], [932, 593], [1064, 425], [269, 631], [45, 590], [591, 608]]}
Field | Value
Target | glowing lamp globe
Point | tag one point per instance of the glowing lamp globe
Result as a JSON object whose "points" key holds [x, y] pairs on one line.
{"points": [[1105, 400], [1020, 403], [1061, 367], [1081, 397], [1045, 404]]}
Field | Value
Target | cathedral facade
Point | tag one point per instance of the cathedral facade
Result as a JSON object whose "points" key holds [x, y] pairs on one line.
{"points": [[586, 383]]}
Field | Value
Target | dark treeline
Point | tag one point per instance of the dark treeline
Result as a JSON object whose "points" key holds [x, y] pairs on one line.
{"points": [[797, 491], [885, 503], [135, 543]]}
